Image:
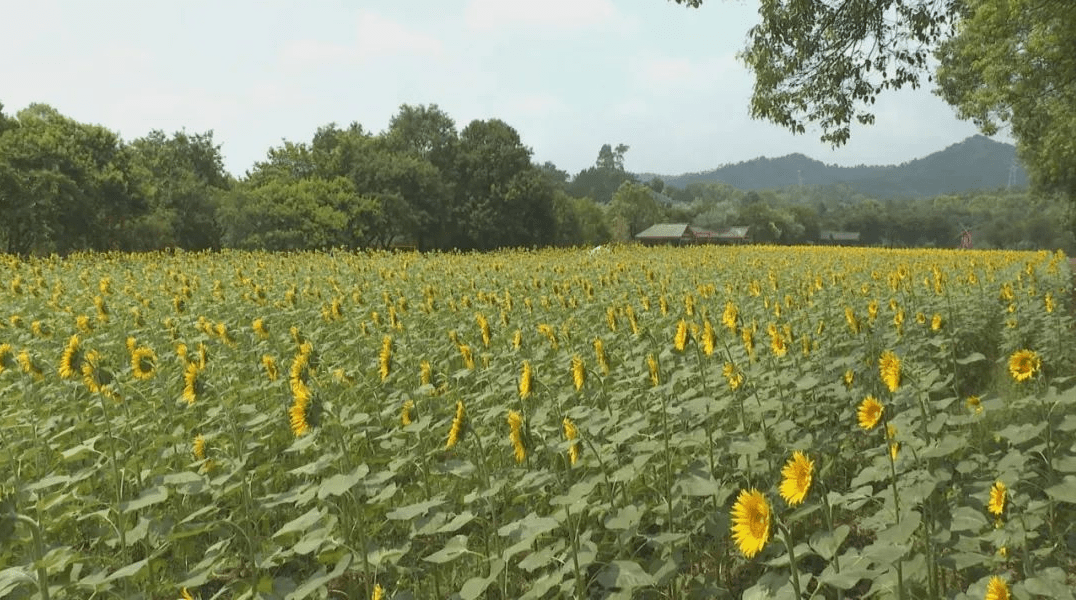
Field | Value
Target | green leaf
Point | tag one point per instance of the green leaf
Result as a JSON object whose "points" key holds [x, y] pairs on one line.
{"points": [[966, 518], [14, 577], [1050, 583], [301, 523], [1064, 491], [624, 575], [474, 587], [974, 357], [827, 543], [321, 578], [459, 521], [453, 549], [413, 510], [149, 497], [339, 484]]}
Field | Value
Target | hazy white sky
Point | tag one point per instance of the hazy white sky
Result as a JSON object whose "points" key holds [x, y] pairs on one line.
{"points": [[569, 75]]}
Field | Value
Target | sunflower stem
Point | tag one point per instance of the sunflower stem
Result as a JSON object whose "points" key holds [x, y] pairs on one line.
{"points": [[827, 513], [791, 559], [39, 553]]}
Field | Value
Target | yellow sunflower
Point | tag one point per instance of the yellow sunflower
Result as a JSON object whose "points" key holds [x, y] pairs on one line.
{"points": [[198, 447], [599, 354], [680, 339], [526, 380], [579, 372], [869, 413], [297, 415], [571, 433], [405, 412], [385, 358], [751, 522], [996, 505], [709, 339], [996, 589], [1023, 364], [515, 424], [191, 384], [143, 363], [652, 366], [458, 423], [71, 361], [796, 478], [378, 594], [889, 366]]}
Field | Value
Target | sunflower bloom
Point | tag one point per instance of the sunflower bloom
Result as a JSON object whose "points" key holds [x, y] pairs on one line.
{"points": [[889, 366], [709, 339], [185, 595], [599, 354], [378, 594], [143, 363], [996, 505], [728, 318], [733, 376], [751, 522], [1023, 364], [405, 412], [849, 377], [869, 413], [571, 433], [1049, 301], [517, 339], [680, 339], [468, 357], [191, 384], [198, 447], [483, 328], [71, 361], [271, 371], [891, 435], [936, 322], [458, 424], [297, 415], [260, 329], [28, 366], [652, 366], [777, 344], [385, 358], [975, 404], [796, 478], [515, 423], [579, 372], [996, 589], [526, 380]]}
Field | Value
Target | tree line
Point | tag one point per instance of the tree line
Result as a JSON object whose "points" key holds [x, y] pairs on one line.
{"points": [[67, 186]]}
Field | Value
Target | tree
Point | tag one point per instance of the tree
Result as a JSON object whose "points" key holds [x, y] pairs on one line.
{"points": [[1013, 62], [182, 178], [501, 198], [635, 208], [827, 61], [602, 180], [64, 185]]}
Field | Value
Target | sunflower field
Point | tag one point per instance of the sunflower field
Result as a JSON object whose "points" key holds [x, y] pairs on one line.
{"points": [[705, 422]]}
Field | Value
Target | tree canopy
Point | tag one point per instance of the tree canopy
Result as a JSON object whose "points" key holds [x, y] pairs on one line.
{"points": [[998, 62]]}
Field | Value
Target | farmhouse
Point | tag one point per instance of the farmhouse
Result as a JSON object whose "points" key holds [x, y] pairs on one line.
{"points": [[682, 233]]}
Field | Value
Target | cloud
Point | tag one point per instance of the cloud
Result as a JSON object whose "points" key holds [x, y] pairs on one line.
{"points": [[550, 16], [379, 36], [375, 38]]}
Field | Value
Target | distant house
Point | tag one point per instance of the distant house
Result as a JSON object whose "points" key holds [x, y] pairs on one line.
{"points": [[682, 233], [728, 235], [839, 238], [667, 233]]}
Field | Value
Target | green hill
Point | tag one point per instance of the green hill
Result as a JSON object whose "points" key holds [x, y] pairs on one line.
{"points": [[975, 163]]}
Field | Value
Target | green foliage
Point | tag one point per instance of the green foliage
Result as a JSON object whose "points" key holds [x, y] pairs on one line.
{"points": [[633, 209], [1012, 64]]}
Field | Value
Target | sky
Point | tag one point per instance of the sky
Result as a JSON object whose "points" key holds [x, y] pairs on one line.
{"points": [[568, 75]]}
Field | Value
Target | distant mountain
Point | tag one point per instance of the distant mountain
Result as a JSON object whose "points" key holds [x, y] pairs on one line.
{"points": [[973, 164]]}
